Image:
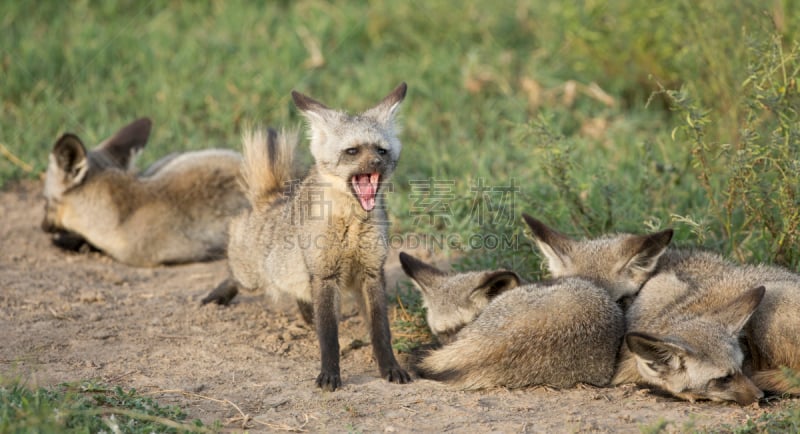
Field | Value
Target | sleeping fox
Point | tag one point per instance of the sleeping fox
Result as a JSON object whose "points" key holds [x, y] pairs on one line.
{"points": [[699, 326], [175, 211], [499, 332]]}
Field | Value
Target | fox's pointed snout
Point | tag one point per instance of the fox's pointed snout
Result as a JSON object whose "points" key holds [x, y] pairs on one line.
{"points": [[745, 392]]}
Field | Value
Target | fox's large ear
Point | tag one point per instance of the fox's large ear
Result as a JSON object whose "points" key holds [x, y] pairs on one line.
{"points": [[386, 110], [69, 156], [736, 313], [554, 245], [422, 273], [125, 144], [495, 283], [660, 355], [311, 108], [318, 115], [644, 251]]}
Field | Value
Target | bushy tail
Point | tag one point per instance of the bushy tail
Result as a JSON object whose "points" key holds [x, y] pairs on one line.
{"points": [[268, 163], [464, 365], [777, 381]]}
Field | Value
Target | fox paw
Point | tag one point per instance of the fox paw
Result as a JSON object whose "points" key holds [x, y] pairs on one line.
{"points": [[222, 294], [396, 374], [214, 298], [329, 381]]}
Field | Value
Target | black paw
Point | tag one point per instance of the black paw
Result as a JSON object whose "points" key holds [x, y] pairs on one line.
{"points": [[71, 241], [396, 374], [211, 298], [329, 381], [222, 294]]}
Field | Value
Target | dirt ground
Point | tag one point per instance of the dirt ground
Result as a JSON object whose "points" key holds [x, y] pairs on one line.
{"points": [[69, 316]]}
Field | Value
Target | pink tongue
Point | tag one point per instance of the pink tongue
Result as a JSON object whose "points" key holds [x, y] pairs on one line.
{"points": [[366, 185]]}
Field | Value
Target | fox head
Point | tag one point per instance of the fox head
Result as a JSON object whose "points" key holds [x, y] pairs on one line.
{"points": [[354, 153], [701, 358], [621, 263], [70, 166], [455, 300]]}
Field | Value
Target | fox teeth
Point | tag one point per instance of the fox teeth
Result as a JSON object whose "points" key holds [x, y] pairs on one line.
{"points": [[366, 187]]}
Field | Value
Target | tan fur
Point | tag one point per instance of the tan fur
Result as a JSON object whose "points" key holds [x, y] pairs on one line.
{"points": [[621, 263], [697, 333], [696, 307], [264, 186], [776, 380], [772, 332], [178, 211], [557, 333], [319, 240], [454, 300]]}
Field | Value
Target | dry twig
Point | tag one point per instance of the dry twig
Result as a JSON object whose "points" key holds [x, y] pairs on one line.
{"points": [[15, 160]]}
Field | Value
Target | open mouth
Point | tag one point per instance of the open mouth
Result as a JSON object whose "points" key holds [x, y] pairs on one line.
{"points": [[366, 187]]}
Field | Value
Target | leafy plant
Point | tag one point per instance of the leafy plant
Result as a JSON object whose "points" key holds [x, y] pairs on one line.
{"points": [[751, 184]]}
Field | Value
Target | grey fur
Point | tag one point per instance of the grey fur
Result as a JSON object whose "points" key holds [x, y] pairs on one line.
{"points": [[328, 234], [697, 308], [620, 263], [178, 212], [556, 333]]}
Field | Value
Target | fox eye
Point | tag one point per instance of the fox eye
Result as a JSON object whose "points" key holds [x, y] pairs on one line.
{"points": [[726, 379], [381, 151], [351, 151], [723, 381]]}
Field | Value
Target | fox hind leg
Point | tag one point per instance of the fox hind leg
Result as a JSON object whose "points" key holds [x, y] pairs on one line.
{"points": [[306, 311]]}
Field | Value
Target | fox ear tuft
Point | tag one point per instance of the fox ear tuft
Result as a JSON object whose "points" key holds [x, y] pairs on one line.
{"points": [[386, 110], [317, 113], [423, 274], [70, 157], [307, 104], [554, 245]]}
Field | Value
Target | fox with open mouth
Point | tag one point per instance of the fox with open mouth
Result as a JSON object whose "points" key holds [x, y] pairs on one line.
{"points": [[327, 235]]}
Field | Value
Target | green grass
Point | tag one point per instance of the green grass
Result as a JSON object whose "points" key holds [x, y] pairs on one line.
{"points": [[594, 116], [548, 99], [87, 407], [787, 421], [409, 328]]}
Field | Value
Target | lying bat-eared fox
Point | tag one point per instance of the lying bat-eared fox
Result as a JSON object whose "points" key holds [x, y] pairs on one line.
{"points": [[176, 211], [499, 332], [698, 326]]}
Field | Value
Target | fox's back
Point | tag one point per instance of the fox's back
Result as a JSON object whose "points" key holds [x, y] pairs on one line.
{"points": [[773, 332], [693, 285], [200, 180], [565, 322], [560, 334], [696, 282], [193, 197]]}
